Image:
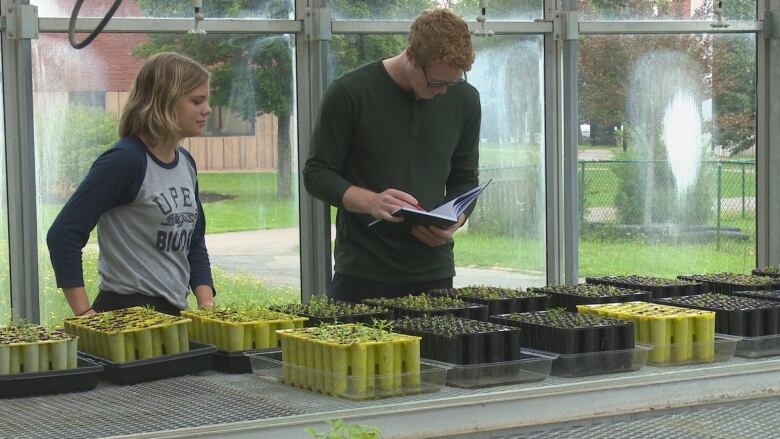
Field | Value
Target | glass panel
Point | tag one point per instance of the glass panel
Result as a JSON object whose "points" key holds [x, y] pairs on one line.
{"points": [[503, 243], [276, 9], [667, 154], [665, 10], [248, 179], [409, 9], [5, 279]]}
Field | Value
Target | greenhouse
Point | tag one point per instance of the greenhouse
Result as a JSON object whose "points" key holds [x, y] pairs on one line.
{"points": [[389, 218]]}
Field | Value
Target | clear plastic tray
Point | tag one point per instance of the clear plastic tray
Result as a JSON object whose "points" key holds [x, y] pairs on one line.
{"points": [[673, 354], [756, 347], [431, 378], [601, 362], [535, 367]]}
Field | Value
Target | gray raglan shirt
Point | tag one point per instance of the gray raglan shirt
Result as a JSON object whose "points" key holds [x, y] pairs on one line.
{"points": [[150, 225]]}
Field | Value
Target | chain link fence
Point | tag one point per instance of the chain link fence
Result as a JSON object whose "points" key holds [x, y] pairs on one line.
{"points": [[718, 204]]}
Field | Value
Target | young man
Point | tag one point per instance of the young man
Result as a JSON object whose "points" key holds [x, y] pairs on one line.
{"points": [[400, 132]]}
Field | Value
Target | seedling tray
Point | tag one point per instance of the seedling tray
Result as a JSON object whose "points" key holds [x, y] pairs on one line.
{"points": [[659, 287], [533, 366], [599, 363], [431, 377], [466, 310], [589, 333], [766, 271], [721, 349], [231, 329], [569, 296], [462, 341], [236, 361], [337, 312], [726, 283], [759, 294], [691, 331], [84, 377], [198, 358], [743, 316], [506, 300]]}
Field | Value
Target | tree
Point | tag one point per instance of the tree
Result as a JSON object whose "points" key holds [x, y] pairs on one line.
{"points": [[251, 74]]}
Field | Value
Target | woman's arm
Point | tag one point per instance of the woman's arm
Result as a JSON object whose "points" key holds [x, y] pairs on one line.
{"points": [[78, 301]]}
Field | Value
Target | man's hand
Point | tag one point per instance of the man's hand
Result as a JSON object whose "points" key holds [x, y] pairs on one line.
{"points": [[379, 205], [433, 236]]}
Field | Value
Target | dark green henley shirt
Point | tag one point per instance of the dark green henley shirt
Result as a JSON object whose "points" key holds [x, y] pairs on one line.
{"points": [[373, 134]]}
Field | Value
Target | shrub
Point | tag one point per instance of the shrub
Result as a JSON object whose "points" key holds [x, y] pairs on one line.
{"points": [[72, 137]]}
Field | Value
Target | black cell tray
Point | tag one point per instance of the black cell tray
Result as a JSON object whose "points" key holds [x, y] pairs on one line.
{"points": [[84, 377], [466, 349], [570, 300], [760, 272], [657, 291], [750, 322], [236, 361], [197, 359], [602, 337], [758, 294], [474, 311], [728, 288], [509, 305]]}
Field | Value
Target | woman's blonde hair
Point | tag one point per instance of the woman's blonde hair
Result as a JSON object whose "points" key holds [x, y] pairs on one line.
{"points": [[151, 107], [440, 36]]}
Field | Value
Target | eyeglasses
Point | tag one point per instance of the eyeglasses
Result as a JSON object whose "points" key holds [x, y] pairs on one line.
{"points": [[436, 84]]}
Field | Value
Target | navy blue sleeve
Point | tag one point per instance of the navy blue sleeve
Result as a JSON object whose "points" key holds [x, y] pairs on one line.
{"points": [[113, 180], [200, 266]]}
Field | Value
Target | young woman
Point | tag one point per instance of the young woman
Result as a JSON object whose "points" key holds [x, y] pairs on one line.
{"points": [[143, 196]]}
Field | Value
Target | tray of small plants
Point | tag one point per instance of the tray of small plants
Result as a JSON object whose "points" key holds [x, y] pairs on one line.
{"points": [[659, 287], [678, 335], [238, 330], [35, 360], [755, 320], [352, 361], [477, 354], [758, 294], [499, 300], [767, 271], [569, 296], [322, 309], [427, 304], [726, 283], [584, 344], [139, 344]]}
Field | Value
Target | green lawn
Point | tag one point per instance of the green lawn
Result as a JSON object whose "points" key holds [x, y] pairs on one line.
{"points": [[598, 257], [255, 205]]}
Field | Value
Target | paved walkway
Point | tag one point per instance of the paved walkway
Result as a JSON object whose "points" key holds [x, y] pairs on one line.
{"points": [[272, 256]]}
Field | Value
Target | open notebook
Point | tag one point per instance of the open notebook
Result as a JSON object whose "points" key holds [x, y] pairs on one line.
{"points": [[443, 216]]}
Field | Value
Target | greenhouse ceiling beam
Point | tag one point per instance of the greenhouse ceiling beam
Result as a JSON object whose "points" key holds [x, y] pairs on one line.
{"points": [[175, 25], [229, 25], [402, 27], [668, 27]]}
